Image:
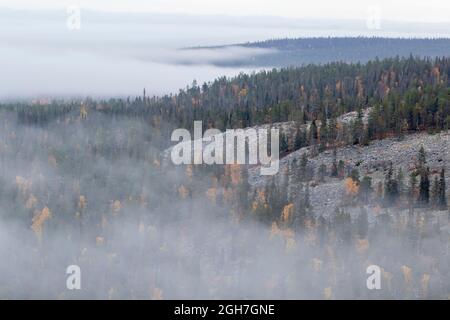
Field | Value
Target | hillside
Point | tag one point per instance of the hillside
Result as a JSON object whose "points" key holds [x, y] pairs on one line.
{"points": [[303, 51], [372, 160], [84, 181]]}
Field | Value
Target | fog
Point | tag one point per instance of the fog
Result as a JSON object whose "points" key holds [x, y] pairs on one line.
{"points": [[41, 57], [92, 190], [126, 221], [118, 54]]}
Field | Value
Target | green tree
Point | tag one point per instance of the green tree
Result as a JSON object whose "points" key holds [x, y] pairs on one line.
{"points": [[300, 140], [422, 158], [390, 186], [334, 166], [284, 145], [341, 169], [322, 172], [400, 181], [424, 186], [442, 199], [362, 223], [354, 175], [313, 133], [365, 188], [435, 191]]}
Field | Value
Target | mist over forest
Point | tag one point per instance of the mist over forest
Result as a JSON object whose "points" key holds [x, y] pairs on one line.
{"points": [[116, 54], [91, 192], [362, 106], [88, 183]]}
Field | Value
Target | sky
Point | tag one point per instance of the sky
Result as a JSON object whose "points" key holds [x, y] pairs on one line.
{"points": [[59, 48], [399, 10]]}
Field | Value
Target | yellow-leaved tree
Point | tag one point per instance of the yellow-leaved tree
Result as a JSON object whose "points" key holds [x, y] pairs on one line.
{"points": [[116, 206], [31, 202], [38, 221], [211, 194], [407, 275], [83, 112], [23, 184], [183, 192], [82, 202], [424, 284], [288, 214], [351, 186], [328, 293], [157, 294]]}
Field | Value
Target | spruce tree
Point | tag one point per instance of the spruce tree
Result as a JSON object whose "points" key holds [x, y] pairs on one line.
{"points": [[334, 167], [422, 158], [313, 133], [354, 175], [341, 169], [391, 186], [400, 181], [424, 186], [322, 172], [412, 184], [435, 191], [299, 139], [358, 129], [365, 188], [442, 199], [362, 223], [284, 145], [322, 226]]}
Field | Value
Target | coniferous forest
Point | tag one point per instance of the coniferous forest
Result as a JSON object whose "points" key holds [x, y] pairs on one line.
{"points": [[87, 182]]}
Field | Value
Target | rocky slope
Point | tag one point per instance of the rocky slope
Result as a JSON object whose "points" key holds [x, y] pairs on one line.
{"points": [[371, 160]]}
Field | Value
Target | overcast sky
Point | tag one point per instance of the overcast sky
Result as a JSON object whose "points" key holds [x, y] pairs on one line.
{"points": [[399, 10], [118, 52]]}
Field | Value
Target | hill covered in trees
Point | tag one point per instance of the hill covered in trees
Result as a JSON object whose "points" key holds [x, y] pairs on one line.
{"points": [[303, 51], [403, 94], [362, 181]]}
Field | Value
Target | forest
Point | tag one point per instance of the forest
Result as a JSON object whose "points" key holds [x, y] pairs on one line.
{"points": [[302, 51], [404, 94], [86, 182]]}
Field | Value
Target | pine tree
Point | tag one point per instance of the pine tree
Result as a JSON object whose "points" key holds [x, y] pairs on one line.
{"points": [[358, 129], [365, 138], [341, 169], [442, 199], [324, 135], [304, 175], [313, 133], [400, 181], [306, 197], [304, 161], [362, 223], [343, 225], [322, 226], [332, 130], [274, 200], [244, 190], [284, 145], [391, 187], [422, 158], [435, 191], [303, 205], [334, 167], [322, 172], [424, 186], [299, 139], [412, 184], [354, 175], [365, 188]]}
